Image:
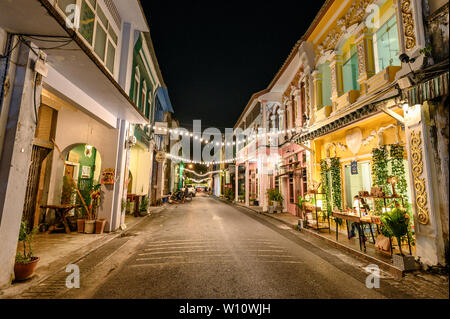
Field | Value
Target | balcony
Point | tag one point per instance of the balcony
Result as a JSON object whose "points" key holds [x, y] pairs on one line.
{"points": [[323, 113], [345, 100], [382, 78]]}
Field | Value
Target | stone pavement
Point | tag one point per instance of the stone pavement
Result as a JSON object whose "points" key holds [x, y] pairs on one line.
{"points": [[350, 246], [57, 250]]}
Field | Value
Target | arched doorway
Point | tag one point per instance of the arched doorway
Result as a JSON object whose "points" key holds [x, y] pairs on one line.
{"points": [[82, 166]]}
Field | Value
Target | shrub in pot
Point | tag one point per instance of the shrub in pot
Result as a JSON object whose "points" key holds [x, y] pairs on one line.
{"points": [[25, 264], [275, 197], [143, 206], [396, 224]]}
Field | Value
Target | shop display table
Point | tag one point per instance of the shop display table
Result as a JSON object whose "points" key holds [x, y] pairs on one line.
{"points": [[360, 222], [61, 212]]}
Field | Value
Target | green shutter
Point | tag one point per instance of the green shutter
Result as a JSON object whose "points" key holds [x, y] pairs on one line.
{"points": [[326, 83], [387, 44]]}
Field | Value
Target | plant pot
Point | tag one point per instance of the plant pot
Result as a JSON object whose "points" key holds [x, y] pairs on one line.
{"points": [[406, 262], [100, 226], [275, 203], [80, 225], [24, 271], [89, 226]]}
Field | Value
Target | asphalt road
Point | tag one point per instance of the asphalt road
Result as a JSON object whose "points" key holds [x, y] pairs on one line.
{"points": [[209, 249]]}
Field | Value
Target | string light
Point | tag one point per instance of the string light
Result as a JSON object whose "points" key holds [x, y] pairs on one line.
{"points": [[202, 175], [187, 160]]}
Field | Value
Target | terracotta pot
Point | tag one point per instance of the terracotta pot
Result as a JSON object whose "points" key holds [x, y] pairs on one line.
{"points": [[24, 271], [100, 226], [80, 225], [89, 226]]}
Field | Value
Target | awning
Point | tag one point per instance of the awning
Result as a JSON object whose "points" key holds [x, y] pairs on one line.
{"points": [[431, 89], [163, 97]]}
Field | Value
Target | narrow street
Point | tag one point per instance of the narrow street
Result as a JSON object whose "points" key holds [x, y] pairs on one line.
{"points": [[209, 249]]}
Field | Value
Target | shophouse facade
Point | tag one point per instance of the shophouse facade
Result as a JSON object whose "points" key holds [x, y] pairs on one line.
{"points": [[71, 90], [361, 98]]}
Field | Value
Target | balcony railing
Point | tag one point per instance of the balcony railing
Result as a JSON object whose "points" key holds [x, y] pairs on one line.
{"points": [[382, 79]]}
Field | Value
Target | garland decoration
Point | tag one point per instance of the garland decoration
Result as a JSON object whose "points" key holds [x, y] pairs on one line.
{"points": [[380, 174], [325, 183], [336, 184]]}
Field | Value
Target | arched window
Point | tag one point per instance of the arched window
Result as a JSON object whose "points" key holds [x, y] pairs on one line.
{"points": [[149, 106], [137, 81], [144, 96]]}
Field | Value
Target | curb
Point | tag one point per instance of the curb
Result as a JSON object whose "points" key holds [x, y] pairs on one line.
{"points": [[396, 272], [101, 242]]}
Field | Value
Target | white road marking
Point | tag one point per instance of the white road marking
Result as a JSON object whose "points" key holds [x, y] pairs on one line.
{"points": [[214, 262]]}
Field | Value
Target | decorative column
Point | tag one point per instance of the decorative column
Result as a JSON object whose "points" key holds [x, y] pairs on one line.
{"points": [[317, 84], [364, 48], [428, 227], [411, 29], [337, 83], [309, 92], [247, 183], [236, 183]]}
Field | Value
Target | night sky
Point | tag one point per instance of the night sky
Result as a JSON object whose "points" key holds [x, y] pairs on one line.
{"points": [[215, 54]]}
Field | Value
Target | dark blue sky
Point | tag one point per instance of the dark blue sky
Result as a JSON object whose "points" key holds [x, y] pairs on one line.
{"points": [[215, 54]]}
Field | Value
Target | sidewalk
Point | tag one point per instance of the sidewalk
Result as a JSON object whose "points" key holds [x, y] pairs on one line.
{"points": [[349, 246], [57, 250]]}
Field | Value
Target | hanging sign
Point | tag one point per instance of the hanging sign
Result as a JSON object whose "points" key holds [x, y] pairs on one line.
{"points": [[160, 157], [354, 167]]}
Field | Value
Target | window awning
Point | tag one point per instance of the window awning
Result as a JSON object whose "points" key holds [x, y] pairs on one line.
{"points": [[163, 97], [431, 89]]}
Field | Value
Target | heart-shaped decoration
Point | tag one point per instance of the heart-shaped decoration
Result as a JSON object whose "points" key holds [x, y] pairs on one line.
{"points": [[354, 140]]}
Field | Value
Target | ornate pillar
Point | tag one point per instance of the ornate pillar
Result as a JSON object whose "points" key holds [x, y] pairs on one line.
{"points": [[236, 183], [410, 26], [308, 94], [364, 48], [298, 104], [317, 84], [337, 82], [424, 190], [247, 183]]}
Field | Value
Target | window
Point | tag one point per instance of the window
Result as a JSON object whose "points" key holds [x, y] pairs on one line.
{"points": [[137, 81], [291, 188], [357, 182], [350, 72], [387, 47], [95, 28], [325, 70], [149, 107], [143, 96]]}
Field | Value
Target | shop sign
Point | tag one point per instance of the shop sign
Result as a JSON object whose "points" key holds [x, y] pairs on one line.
{"points": [[161, 128], [160, 157], [354, 167]]}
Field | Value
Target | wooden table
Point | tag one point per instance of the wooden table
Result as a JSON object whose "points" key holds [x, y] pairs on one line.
{"points": [[61, 212], [359, 221]]}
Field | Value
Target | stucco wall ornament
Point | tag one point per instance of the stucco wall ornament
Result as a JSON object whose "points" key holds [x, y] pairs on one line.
{"points": [[369, 138], [380, 134], [355, 15], [353, 139], [408, 24], [419, 182]]}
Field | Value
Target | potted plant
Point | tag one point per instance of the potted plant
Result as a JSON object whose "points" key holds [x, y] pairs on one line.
{"points": [[68, 191], [25, 264], [143, 206], [396, 223], [252, 199]]}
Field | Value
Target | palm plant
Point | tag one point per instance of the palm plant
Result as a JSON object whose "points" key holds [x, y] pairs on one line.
{"points": [[396, 223]]}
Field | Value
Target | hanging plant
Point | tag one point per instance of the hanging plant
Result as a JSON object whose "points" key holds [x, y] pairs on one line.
{"points": [[398, 169], [325, 183], [335, 169], [380, 173]]}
